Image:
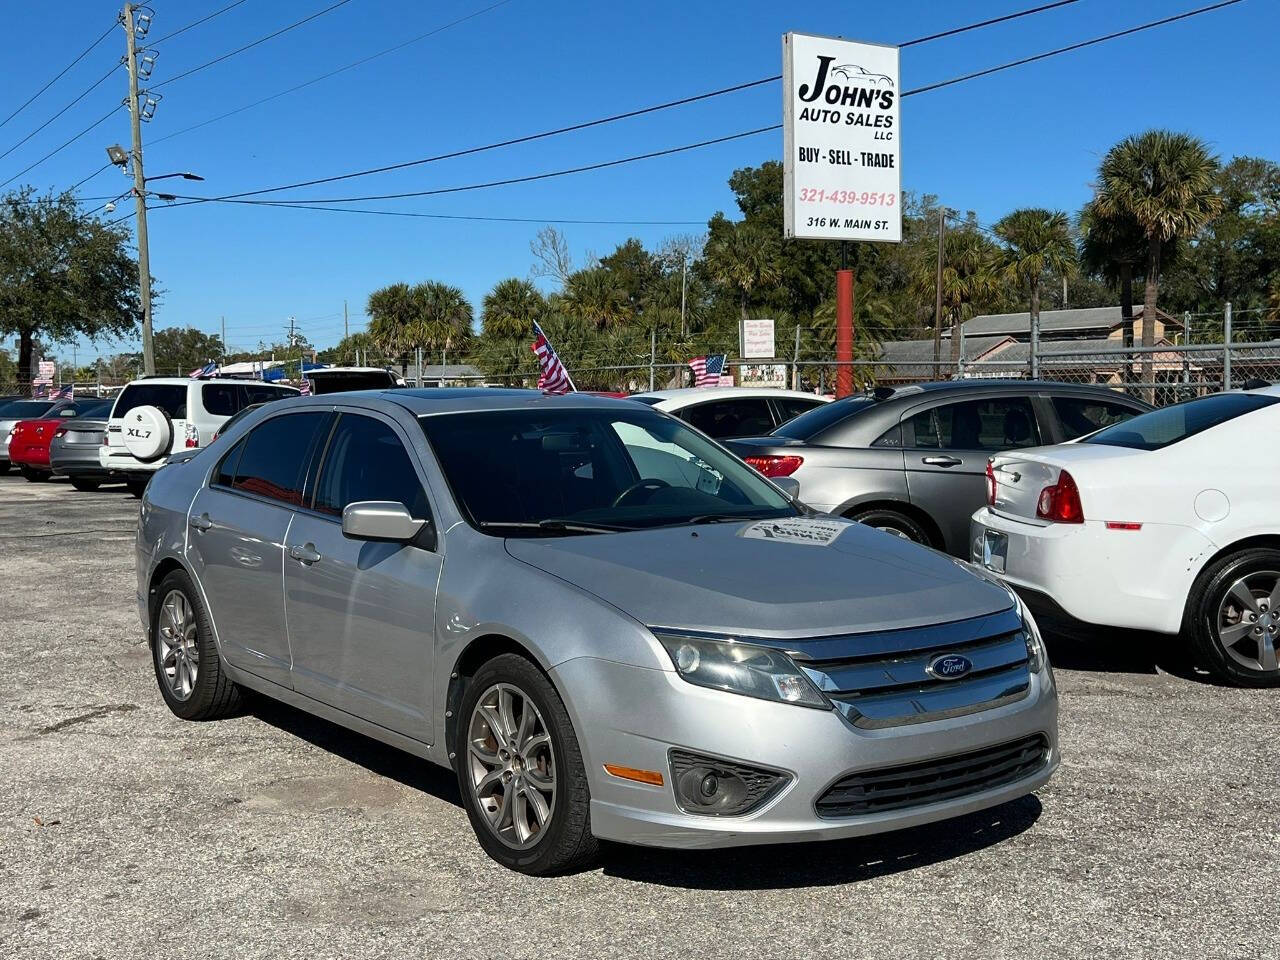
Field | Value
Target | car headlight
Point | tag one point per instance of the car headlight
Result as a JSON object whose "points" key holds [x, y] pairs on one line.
{"points": [[724, 663]]}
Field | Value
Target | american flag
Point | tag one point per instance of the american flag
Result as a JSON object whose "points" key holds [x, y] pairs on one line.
{"points": [[552, 376], [707, 370], [65, 392], [305, 388], [208, 370]]}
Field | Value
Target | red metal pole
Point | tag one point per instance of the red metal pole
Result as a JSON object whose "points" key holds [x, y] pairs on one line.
{"points": [[844, 333]]}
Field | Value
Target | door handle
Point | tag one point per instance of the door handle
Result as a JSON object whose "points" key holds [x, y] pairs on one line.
{"points": [[305, 554], [942, 461], [201, 523]]}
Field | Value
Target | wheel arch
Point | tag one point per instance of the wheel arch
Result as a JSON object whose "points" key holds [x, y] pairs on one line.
{"points": [[898, 506], [1266, 540], [165, 567]]}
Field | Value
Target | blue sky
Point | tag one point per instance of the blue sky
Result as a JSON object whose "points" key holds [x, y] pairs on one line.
{"points": [[1029, 136]]}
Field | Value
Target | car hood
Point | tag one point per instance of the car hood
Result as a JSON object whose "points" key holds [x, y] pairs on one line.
{"points": [[735, 578]]}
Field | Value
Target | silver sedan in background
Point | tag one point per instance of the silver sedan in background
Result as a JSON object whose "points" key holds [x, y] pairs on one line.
{"points": [[605, 624]]}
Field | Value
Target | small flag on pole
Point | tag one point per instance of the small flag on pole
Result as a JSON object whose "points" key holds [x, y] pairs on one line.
{"points": [[707, 370], [201, 373], [552, 375], [305, 388], [65, 392]]}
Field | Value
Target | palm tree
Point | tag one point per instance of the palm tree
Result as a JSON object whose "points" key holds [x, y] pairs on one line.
{"points": [[443, 319], [743, 259], [1111, 246], [1165, 182], [509, 309], [1037, 243], [594, 295], [970, 274], [391, 311]]}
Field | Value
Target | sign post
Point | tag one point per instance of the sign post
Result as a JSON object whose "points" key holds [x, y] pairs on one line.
{"points": [[842, 156]]}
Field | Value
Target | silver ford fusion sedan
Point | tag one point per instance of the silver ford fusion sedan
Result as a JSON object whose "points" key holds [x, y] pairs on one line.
{"points": [[606, 625]]}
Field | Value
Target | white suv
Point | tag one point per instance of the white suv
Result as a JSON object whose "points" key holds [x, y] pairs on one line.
{"points": [[158, 416]]}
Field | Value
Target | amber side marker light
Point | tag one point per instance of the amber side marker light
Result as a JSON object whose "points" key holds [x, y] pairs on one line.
{"points": [[651, 777]]}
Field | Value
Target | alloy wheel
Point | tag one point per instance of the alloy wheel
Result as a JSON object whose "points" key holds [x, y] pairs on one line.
{"points": [[1248, 622], [511, 765], [177, 650]]}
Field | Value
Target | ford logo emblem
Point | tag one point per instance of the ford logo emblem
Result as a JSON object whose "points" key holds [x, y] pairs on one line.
{"points": [[949, 666]]}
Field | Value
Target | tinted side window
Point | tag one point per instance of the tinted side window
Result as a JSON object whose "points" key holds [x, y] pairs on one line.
{"points": [[367, 461], [1002, 423], [220, 399], [730, 418], [790, 407], [225, 475], [1081, 415], [262, 393], [274, 461]]}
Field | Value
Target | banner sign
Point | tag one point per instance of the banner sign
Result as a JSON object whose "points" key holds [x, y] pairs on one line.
{"points": [[757, 340], [762, 375], [841, 139]]}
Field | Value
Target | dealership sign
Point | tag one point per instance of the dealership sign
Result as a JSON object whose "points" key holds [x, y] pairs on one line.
{"points": [[756, 340], [842, 141]]}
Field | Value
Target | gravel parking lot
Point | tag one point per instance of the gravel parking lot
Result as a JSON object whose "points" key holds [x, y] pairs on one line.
{"points": [[129, 833]]}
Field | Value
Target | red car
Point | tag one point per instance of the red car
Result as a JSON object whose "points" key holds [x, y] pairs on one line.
{"points": [[29, 439]]}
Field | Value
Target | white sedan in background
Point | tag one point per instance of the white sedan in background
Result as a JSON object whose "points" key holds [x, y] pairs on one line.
{"points": [[725, 413], [1168, 522]]}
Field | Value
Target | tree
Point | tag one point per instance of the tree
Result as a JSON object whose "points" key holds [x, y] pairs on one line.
{"points": [[595, 296], [351, 349], [510, 308], [444, 318], [1166, 182], [181, 349], [1037, 244], [550, 248], [391, 311], [743, 259], [970, 274], [1112, 246], [62, 274]]}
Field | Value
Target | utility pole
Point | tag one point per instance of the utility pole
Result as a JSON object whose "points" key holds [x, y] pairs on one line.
{"points": [[224, 339], [684, 278], [937, 303], [653, 355], [346, 328], [139, 192], [795, 362]]}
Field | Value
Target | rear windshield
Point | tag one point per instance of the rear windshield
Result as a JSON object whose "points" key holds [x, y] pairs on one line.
{"points": [[99, 409], [25, 409], [1160, 428], [809, 425], [169, 397], [647, 401]]}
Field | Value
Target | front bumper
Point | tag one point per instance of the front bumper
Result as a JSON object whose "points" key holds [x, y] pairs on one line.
{"points": [[1135, 579], [633, 716]]}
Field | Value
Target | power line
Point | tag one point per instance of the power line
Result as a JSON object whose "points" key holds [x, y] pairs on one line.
{"points": [[93, 86], [587, 124], [1075, 46], [68, 143], [196, 23], [331, 73], [644, 156], [251, 45], [61, 73]]}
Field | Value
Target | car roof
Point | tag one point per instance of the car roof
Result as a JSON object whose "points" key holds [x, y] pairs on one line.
{"points": [[179, 381], [322, 371], [715, 393], [426, 401]]}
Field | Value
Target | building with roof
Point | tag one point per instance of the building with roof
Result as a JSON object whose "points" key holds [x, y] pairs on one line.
{"points": [[1084, 323]]}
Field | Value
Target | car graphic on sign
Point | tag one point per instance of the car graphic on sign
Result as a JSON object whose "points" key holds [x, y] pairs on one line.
{"points": [[851, 71]]}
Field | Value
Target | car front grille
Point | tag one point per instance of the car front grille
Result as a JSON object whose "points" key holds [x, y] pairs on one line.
{"points": [[932, 781], [884, 679]]}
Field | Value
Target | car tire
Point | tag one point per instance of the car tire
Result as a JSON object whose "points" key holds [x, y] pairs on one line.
{"points": [[137, 487], [891, 521], [182, 642], [33, 476], [563, 842], [85, 485], [1235, 640]]}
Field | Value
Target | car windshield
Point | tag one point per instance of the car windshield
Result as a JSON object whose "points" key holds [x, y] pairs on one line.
{"points": [[558, 472], [169, 397], [97, 409], [24, 409], [808, 425], [1160, 428]]}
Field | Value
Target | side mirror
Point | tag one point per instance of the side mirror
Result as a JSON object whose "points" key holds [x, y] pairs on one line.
{"points": [[788, 485], [381, 520]]}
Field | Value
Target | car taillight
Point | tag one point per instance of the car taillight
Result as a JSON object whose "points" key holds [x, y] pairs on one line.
{"points": [[991, 485], [193, 436], [772, 466], [1061, 502]]}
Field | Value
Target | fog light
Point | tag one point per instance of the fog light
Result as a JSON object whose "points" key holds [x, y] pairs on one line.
{"points": [[719, 788]]}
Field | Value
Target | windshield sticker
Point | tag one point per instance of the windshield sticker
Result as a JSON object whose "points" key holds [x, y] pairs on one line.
{"points": [[809, 530]]}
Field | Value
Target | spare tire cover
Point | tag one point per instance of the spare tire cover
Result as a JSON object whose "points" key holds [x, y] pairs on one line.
{"points": [[147, 432]]}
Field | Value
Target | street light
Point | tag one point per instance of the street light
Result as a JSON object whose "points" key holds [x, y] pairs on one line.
{"points": [[185, 175]]}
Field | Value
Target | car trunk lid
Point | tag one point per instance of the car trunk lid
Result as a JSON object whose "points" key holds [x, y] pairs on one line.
{"points": [[1022, 475]]}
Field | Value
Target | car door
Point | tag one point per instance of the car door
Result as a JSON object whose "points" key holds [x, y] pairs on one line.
{"points": [[730, 417], [236, 531], [361, 614], [945, 451]]}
